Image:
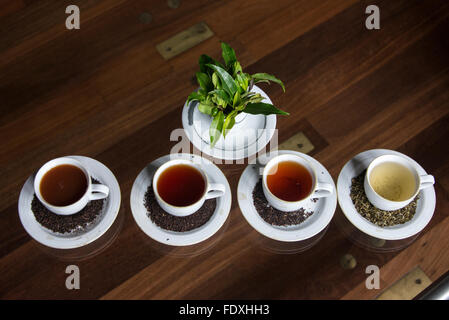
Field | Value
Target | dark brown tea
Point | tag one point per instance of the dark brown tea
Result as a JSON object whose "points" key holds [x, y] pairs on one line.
{"points": [[289, 181], [181, 185], [63, 185]]}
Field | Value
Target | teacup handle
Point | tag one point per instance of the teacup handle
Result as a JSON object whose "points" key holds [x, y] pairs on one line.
{"points": [[98, 192], [426, 181], [215, 190], [323, 190]]}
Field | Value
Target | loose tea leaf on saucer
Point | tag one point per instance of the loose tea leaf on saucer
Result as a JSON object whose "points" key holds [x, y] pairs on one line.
{"points": [[170, 222], [65, 224], [276, 217], [379, 217]]}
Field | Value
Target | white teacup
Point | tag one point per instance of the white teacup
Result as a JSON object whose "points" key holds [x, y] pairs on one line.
{"points": [[317, 190], [93, 191], [421, 182], [211, 190]]}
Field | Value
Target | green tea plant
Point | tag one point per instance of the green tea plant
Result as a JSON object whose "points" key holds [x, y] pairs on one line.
{"points": [[225, 91]]}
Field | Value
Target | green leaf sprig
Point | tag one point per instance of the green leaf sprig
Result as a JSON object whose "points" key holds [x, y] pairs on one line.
{"points": [[225, 91]]}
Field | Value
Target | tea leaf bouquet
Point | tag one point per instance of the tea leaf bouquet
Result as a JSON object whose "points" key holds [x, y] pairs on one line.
{"points": [[225, 91]]}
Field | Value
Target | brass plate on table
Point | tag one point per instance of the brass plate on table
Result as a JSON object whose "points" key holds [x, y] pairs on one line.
{"points": [[348, 261], [408, 287], [174, 4], [298, 142], [184, 40]]}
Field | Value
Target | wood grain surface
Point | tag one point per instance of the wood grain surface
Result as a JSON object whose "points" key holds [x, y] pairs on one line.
{"points": [[105, 92]]}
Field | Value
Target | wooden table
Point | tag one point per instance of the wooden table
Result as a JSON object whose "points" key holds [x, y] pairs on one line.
{"points": [[105, 92]]}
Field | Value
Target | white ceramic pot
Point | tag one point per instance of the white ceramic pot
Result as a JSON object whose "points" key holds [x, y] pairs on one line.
{"points": [[250, 134]]}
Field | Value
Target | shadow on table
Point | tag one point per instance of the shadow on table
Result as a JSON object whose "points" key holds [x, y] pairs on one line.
{"points": [[282, 247], [92, 249], [366, 241], [185, 251]]}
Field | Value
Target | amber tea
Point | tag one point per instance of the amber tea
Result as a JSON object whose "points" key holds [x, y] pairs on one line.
{"points": [[63, 185], [181, 185], [289, 181]]}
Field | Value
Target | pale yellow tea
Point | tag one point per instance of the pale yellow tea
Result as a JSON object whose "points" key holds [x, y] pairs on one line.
{"points": [[393, 181]]}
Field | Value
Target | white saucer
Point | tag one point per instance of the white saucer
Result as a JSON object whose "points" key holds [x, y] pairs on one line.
{"points": [[424, 210], [248, 136], [70, 241], [140, 186], [323, 209]]}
